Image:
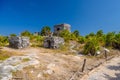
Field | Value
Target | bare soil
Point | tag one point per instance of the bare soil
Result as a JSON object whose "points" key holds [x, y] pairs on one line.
{"points": [[55, 65]]}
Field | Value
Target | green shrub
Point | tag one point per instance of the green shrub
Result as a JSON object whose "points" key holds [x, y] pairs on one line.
{"points": [[81, 39], [36, 40], [110, 39], [45, 31], [26, 33], [91, 47], [3, 40]]}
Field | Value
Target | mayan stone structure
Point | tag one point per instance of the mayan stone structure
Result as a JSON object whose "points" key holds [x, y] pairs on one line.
{"points": [[19, 42], [59, 27], [53, 42]]}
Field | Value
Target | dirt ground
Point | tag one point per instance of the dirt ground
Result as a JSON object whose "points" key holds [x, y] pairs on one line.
{"points": [[55, 65], [110, 70]]}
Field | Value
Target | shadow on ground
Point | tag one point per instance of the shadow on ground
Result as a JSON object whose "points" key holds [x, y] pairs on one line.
{"points": [[116, 68]]}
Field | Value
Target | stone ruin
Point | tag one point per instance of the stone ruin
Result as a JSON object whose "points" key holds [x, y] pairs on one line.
{"points": [[19, 42], [59, 27], [53, 42]]}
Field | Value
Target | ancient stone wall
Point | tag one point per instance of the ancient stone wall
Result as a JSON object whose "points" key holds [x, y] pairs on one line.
{"points": [[53, 42], [59, 27], [19, 42]]}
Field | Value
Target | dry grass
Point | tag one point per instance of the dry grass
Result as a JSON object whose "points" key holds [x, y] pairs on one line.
{"points": [[6, 54], [25, 60], [65, 65]]}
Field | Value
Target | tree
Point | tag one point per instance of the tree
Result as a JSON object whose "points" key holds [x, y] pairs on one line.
{"points": [[13, 35], [92, 34], [26, 33], [45, 31], [100, 37], [99, 33], [81, 39], [116, 41], [110, 39], [76, 33]]}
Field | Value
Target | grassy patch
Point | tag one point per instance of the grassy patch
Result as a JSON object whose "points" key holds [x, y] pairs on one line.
{"points": [[4, 55], [25, 60]]}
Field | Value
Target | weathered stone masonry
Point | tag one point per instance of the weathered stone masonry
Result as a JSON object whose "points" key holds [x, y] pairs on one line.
{"points": [[53, 42], [59, 27], [19, 42]]}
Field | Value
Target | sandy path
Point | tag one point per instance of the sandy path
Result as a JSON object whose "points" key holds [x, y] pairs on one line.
{"points": [[107, 71]]}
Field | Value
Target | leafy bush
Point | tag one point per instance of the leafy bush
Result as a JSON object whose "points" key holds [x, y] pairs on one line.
{"points": [[91, 47], [81, 39], [76, 33], [13, 35], [68, 35], [110, 39], [36, 40], [99, 33], [116, 41], [65, 34], [3, 40], [26, 33]]}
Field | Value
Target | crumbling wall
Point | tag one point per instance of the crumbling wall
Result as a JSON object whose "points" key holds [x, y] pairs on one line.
{"points": [[59, 27], [19, 42], [53, 42]]}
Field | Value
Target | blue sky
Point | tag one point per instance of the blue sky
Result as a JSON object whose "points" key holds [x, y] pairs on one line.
{"points": [[83, 15]]}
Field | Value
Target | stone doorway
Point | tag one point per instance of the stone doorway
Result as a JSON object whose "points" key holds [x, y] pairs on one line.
{"points": [[49, 43], [58, 29]]}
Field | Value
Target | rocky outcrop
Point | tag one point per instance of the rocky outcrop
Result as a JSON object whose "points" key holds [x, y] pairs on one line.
{"points": [[53, 42], [16, 63], [18, 42]]}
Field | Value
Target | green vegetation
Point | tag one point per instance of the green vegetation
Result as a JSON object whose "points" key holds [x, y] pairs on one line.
{"points": [[26, 33], [76, 33], [4, 55], [93, 41], [25, 60], [12, 35], [91, 47], [90, 43], [36, 41], [69, 36], [3, 40], [45, 31]]}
